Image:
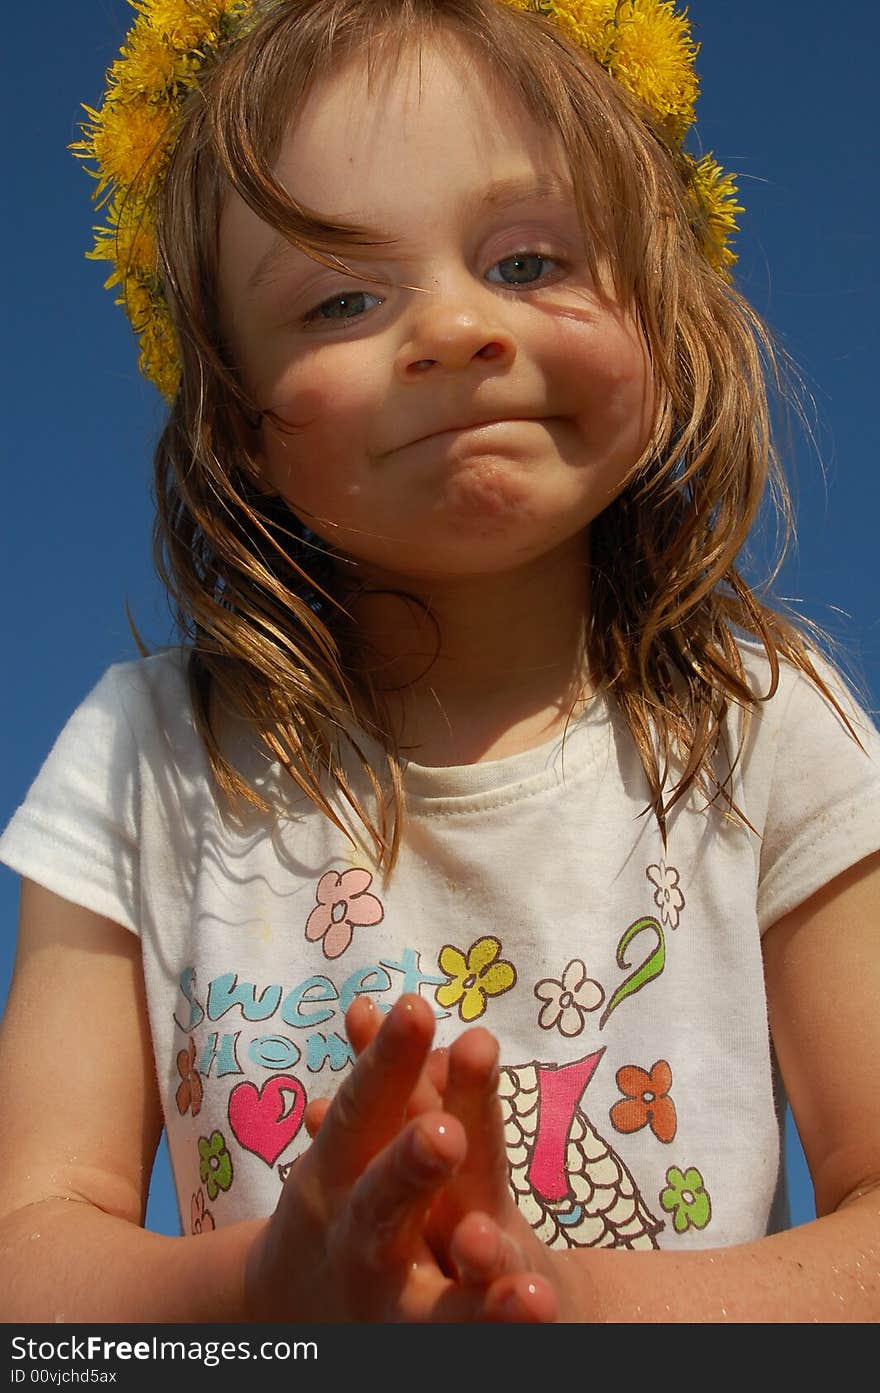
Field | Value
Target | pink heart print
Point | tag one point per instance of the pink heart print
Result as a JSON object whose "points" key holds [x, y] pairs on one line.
{"points": [[262, 1120]]}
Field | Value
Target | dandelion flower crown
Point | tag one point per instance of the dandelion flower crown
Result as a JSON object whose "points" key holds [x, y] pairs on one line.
{"points": [[646, 45]]}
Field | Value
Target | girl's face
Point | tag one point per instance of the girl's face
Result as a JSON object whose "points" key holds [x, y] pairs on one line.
{"points": [[482, 405]]}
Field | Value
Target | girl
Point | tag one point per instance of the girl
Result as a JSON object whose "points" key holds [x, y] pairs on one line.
{"points": [[484, 797]]}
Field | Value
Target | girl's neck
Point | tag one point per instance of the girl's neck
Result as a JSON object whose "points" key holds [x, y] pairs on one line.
{"points": [[509, 665]]}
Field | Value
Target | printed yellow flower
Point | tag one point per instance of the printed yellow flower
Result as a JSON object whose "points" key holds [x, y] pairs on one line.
{"points": [[653, 55], [474, 978]]}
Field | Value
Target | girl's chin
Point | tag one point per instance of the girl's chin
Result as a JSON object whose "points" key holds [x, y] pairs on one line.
{"points": [[474, 551]]}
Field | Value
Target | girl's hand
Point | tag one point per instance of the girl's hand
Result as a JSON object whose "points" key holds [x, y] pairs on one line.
{"points": [[475, 1218], [473, 1227], [348, 1240]]}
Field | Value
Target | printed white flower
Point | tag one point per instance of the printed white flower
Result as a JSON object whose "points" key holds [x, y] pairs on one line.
{"points": [[668, 898], [566, 1002]]}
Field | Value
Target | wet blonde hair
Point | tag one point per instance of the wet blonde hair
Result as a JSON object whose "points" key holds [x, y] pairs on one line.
{"points": [[258, 595]]}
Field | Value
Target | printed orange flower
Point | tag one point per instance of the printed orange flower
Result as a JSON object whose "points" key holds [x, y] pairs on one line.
{"points": [[343, 905], [474, 978], [189, 1091], [202, 1218], [646, 1101]]}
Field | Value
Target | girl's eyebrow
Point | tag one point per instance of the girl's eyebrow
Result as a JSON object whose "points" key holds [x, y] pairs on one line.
{"points": [[503, 193], [526, 189]]}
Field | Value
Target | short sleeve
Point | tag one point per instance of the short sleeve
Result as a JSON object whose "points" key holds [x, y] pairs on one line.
{"points": [[76, 832], [823, 794]]}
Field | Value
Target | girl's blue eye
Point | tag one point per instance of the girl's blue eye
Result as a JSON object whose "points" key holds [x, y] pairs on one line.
{"points": [[527, 267], [341, 308]]}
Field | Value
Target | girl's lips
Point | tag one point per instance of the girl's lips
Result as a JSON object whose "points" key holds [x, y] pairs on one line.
{"points": [[471, 426]]}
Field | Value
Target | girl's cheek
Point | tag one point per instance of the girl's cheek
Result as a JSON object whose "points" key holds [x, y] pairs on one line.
{"points": [[597, 353], [325, 390]]}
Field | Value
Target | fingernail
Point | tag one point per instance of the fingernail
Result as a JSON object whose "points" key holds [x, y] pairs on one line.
{"points": [[425, 1153], [510, 1306]]}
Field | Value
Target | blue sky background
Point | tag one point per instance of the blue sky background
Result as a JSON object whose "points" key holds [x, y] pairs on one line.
{"points": [[788, 102]]}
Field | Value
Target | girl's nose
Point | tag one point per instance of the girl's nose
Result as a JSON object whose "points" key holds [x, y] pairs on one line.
{"points": [[448, 336]]}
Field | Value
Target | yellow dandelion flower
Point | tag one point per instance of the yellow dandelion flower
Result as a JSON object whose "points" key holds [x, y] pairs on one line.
{"points": [[585, 23], [653, 56], [107, 248], [128, 142], [136, 245], [716, 197], [185, 24], [158, 359], [128, 241], [138, 302], [148, 66]]}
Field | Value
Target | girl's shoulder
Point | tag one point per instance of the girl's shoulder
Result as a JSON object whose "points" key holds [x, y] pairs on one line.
{"points": [[130, 744], [793, 703], [159, 676], [137, 715], [808, 777], [138, 701]]}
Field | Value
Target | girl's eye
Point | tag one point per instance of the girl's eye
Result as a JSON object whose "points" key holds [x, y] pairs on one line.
{"points": [[523, 268], [341, 309]]}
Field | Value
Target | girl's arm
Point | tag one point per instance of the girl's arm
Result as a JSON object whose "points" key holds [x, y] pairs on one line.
{"points": [[822, 968], [82, 1121]]}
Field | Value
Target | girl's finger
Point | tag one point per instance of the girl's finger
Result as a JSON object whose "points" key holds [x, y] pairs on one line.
{"points": [[471, 1095], [526, 1298], [427, 1096], [314, 1115], [388, 1204], [483, 1252], [437, 1069], [369, 1109], [363, 1021]]}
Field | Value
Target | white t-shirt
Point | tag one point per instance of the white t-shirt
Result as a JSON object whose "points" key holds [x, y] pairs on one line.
{"points": [[533, 895]]}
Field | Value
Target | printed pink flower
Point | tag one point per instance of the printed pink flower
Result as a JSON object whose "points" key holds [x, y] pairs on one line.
{"points": [[202, 1218], [566, 1002], [343, 906]]}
